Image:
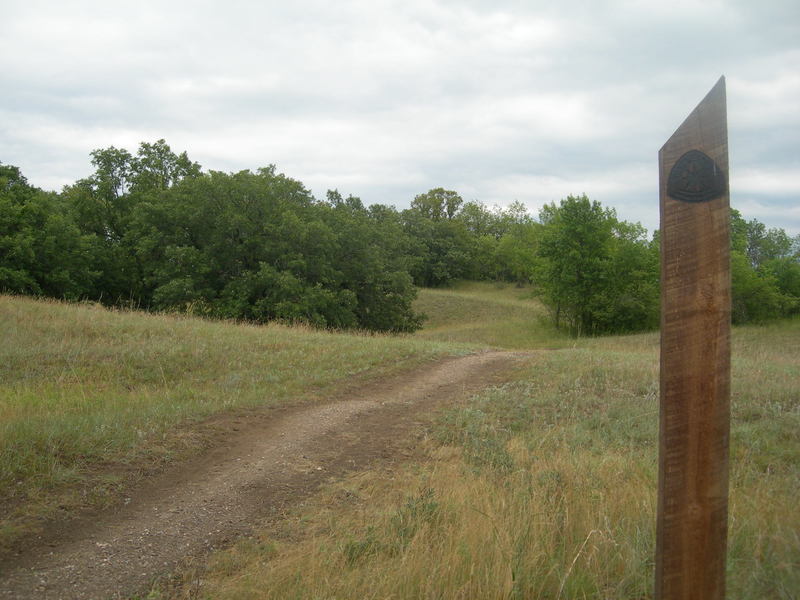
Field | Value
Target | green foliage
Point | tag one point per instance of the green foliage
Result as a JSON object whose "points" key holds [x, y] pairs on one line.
{"points": [[786, 274], [765, 272], [257, 246], [444, 248], [597, 274], [105, 204], [515, 254], [152, 230], [437, 204], [756, 295], [458, 240], [42, 252]]}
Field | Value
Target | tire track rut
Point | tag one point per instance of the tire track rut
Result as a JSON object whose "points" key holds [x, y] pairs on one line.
{"points": [[266, 465]]}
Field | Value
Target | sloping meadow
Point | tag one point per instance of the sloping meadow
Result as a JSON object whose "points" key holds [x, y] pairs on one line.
{"points": [[544, 487], [493, 314], [83, 388]]}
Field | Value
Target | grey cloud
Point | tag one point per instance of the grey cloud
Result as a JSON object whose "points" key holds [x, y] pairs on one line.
{"points": [[501, 101]]}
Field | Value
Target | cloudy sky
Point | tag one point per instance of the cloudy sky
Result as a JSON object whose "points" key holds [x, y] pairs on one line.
{"points": [[498, 100]]}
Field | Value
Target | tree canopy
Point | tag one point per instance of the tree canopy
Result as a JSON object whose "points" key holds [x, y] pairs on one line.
{"points": [[153, 230], [597, 274]]}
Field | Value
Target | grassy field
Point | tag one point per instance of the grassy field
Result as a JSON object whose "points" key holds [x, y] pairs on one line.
{"points": [[83, 389], [544, 487], [498, 315]]}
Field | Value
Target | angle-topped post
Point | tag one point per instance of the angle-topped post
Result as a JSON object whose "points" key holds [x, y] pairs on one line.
{"points": [[692, 518]]}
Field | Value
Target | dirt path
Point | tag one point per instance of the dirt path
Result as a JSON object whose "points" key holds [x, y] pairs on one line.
{"points": [[268, 463]]}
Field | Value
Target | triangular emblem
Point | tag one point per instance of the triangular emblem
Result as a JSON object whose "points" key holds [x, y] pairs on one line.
{"points": [[695, 177]]}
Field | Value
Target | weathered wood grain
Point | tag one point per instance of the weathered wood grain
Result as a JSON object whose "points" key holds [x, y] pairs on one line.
{"points": [[695, 364]]}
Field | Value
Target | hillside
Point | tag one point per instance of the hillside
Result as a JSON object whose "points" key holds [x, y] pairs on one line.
{"points": [[539, 484], [493, 314], [89, 397], [541, 487]]}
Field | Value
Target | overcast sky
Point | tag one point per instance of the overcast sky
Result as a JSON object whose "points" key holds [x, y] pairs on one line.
{"points": [[498, 100]]}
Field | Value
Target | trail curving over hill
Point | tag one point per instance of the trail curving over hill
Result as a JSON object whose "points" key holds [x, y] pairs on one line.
{"points": [[268, 463]]}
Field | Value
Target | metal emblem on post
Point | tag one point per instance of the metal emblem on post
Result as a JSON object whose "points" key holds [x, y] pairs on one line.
{"points": [[696, 178], [695, 356]]}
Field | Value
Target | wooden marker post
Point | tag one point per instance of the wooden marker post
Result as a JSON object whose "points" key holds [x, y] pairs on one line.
{"points": [[695, 356]]}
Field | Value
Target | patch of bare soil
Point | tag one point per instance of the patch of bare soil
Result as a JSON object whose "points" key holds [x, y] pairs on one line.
{"points": [[267, 463]]}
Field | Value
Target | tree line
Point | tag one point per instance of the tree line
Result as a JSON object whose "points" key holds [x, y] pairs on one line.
{"points": [[152, 230]]}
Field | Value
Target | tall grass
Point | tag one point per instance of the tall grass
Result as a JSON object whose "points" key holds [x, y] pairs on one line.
{"points": [[82, 386], [545, 487], [492, 314]]}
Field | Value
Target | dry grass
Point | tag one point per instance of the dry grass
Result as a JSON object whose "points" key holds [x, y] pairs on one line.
{"points": [[83, 387], [544, 488]]}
